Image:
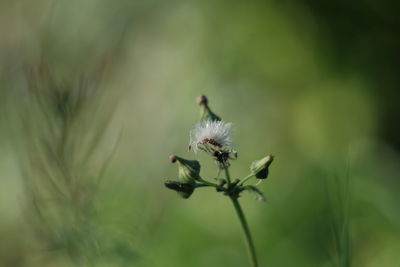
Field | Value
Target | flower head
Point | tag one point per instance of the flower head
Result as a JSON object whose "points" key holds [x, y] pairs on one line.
{"points": [[216, 134]]}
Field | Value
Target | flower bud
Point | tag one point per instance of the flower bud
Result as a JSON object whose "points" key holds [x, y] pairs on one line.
{"points": [[189, 170], [183, 189], [202, 100], [260, 167], [172, 158], [205, 111]]}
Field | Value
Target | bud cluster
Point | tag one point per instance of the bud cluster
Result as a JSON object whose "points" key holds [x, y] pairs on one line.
{"points": [[213, 136]]}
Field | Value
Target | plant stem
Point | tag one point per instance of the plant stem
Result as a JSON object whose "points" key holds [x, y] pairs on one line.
{"points": [[246, 178], [248, 239], [228, 177], [207, 183]]}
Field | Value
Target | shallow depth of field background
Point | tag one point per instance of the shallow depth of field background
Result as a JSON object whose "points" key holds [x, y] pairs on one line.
{"points": [[313, 83]]}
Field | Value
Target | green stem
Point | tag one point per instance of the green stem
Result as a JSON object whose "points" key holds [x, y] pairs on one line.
{"points": [[202, 185], [228, 177], [207, 183], [246, 178], [246, 231], [249, 241]]}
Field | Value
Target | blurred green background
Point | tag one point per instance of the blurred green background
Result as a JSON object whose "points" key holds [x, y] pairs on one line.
{"points": [[314, 83]]}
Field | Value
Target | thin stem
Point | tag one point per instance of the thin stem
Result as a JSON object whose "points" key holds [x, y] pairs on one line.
{"points": [[246, 231], [206, 183], [228, 177], [246, 178], [202, 185], [249, 241]]}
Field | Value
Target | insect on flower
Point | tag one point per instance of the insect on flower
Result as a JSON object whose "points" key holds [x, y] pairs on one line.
{"points": [[213, 136], [208, 135]]}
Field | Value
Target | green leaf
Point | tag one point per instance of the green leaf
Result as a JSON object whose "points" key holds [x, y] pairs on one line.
{"points": [[255, 191]]}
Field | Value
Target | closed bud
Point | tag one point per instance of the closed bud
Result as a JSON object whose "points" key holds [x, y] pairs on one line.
{"points": [[202, 100], [189, 170], [260, 167], [183, 189], [205, 111], [172, 158]]}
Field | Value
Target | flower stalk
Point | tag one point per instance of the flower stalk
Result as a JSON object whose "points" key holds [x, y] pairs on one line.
{"points": [[246, 231], [212, 136]]}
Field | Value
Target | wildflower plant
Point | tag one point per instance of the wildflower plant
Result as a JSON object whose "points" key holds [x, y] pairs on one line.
{"points": [[212, 136]]}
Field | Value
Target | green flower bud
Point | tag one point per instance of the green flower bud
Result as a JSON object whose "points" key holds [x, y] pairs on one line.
{"points": [[205, 111], [188, 173], [183, 189], [189, 170], [260, 167]]}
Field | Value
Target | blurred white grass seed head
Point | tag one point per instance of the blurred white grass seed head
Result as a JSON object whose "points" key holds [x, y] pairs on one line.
{"points": [[215, 133]]}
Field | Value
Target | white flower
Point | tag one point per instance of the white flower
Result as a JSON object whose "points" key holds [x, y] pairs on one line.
{"points": [[215, 133]]}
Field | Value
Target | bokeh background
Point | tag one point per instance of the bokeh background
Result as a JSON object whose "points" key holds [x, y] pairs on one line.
{"points": [[95, 94]]}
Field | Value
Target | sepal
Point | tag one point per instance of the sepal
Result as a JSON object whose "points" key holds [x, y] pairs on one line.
{"points": [[185, 190]]}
